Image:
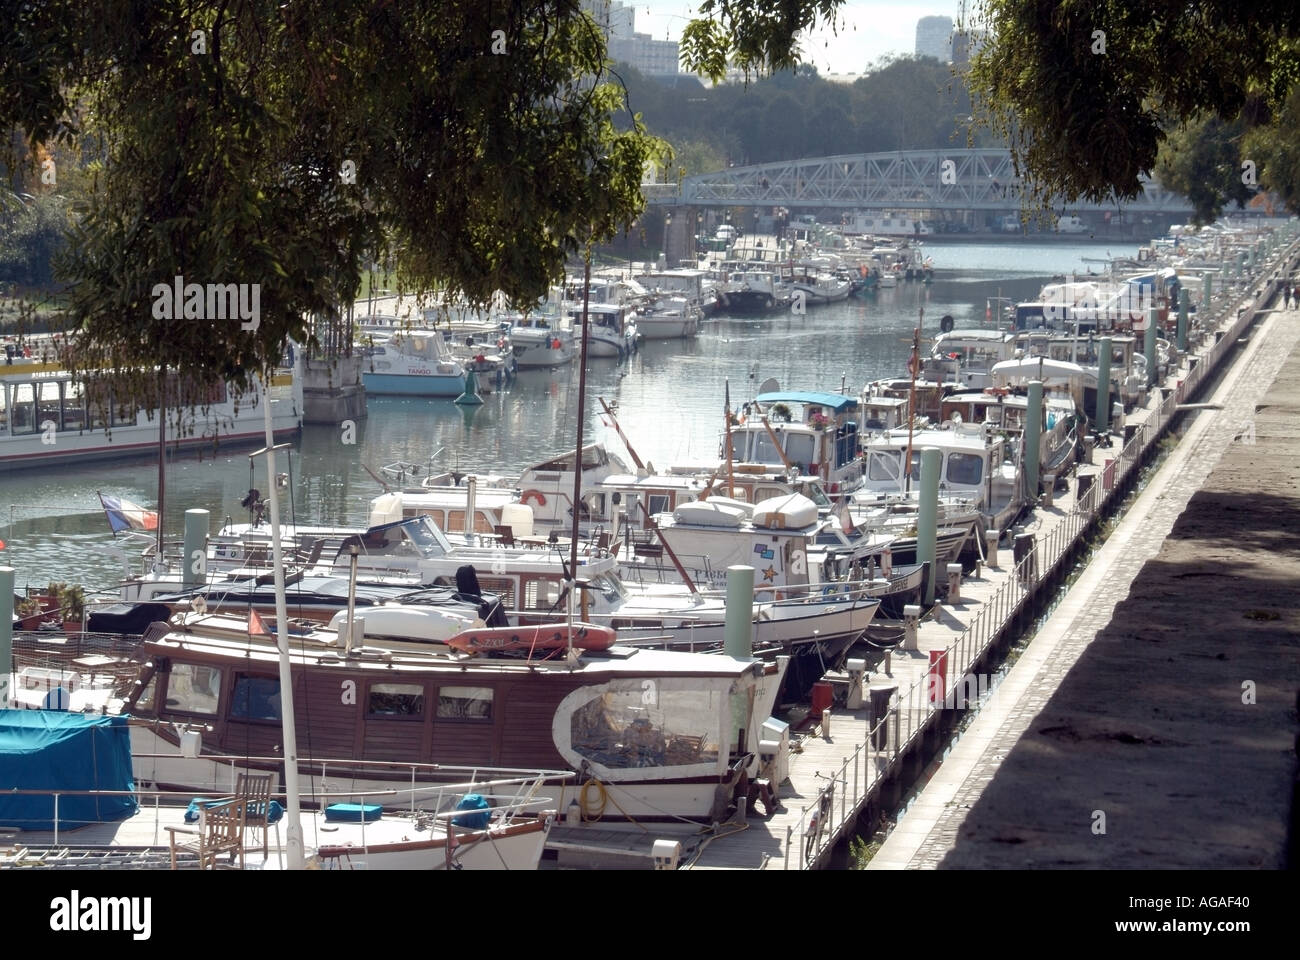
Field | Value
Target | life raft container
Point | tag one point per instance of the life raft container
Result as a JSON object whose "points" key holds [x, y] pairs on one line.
{"points": [[585, 636]]}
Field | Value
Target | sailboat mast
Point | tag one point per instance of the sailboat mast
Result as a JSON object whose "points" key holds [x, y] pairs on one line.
{"points": [[911, 403], [293, 828], [726, 431], [577, 456], [162, 461]]}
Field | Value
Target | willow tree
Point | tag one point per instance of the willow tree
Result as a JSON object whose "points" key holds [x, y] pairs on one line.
{"points": [[286, 144]]}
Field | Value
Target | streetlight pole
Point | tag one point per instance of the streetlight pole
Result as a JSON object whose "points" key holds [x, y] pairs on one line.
{"points": [[668, 219]]}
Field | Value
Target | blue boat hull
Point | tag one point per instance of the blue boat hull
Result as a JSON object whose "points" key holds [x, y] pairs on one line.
{"points": [[402, 385]]}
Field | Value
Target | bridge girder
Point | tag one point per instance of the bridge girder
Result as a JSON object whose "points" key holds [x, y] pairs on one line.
{"points": [[975, 179]]}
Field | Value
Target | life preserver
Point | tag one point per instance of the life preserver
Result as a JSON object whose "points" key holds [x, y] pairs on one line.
{"points": [[534, 495]]}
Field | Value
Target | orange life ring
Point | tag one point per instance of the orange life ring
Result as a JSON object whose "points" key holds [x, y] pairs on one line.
{"points": [[534, 494]]}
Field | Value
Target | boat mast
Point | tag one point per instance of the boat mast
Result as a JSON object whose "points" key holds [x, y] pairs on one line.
{"points": [[293, 828], [911, 402], [577, 454], [726, 430], [162, 463]]}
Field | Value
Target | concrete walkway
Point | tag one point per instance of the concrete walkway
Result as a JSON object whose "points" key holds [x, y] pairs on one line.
{"points": [[1125, 712]]}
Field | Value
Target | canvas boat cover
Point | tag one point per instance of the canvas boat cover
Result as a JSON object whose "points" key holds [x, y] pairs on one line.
{"points": [[49, 750]]}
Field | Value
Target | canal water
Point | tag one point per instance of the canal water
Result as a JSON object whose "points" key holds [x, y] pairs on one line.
{"points": [[668, 399]]}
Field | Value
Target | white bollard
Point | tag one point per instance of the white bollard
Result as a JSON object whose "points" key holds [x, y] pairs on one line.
{"points": [[826, 723], [1049, 482], [666, 854], [954, 583], [911, 622], [991, 538], [857, 670]]}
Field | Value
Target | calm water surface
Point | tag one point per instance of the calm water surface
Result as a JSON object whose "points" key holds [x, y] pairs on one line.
{"points": [[669, 400]]}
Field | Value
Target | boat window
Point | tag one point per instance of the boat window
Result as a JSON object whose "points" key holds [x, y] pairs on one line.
{"points": [[396, 700], [255, 698], [816, 494], [74, 406], [193, 688], [541, 594], [465, 703], [24, 408], [883, 465], [147, 702], [801, 448], [965, 468], [123, 413], [50, 412], [643, 726], [503, 587], [610, 587], [658, 503], [426, 538]]}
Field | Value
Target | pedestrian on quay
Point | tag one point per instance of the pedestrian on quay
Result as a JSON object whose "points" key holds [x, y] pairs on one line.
{"points": [[1286, 298], [1295, 296]]}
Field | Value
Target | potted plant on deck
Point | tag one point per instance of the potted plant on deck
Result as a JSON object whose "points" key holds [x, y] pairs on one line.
{"points": [[72, 605], [29, 613]]}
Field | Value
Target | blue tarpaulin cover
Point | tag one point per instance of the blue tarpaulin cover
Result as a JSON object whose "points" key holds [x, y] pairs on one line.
{"points": [[52, 750]]}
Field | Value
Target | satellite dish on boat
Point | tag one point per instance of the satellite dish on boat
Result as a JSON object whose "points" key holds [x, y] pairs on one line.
{"points": [[770, 385]]}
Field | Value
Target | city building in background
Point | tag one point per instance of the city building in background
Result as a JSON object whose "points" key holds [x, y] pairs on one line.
{"points": [[934, 38]]}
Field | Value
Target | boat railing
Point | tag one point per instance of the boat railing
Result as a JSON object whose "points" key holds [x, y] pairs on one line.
{"points": [[512, 792]]}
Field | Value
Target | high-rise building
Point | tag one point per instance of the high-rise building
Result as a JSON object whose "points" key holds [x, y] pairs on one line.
{"points": [[965, 44], [934, 38], [621, 21], [654, 58]]}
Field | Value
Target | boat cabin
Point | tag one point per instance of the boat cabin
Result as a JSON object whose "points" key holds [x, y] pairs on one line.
{"points": [[816, 434]]}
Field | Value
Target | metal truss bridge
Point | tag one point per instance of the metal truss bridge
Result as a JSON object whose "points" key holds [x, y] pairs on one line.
{"points": [[933, 180]]}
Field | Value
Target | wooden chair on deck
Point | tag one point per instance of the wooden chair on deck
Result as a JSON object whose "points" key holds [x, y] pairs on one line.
{"points": [[505, 534], [253, 790], [220, 830]]}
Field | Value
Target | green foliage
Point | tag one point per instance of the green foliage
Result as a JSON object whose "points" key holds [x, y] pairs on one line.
{"points": [[756, 37], [476, 171], [906, 103], [1276, 150], [1083, 124], [31, 233], [1200, 161]]}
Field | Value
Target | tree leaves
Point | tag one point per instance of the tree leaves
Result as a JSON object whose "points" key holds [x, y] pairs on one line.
{"points": [[482, 171]]}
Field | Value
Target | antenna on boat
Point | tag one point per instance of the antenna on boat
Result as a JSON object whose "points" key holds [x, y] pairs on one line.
{"points": [[293, 828]]}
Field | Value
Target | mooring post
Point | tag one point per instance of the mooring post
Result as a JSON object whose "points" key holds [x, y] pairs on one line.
{"points": [[6, 633], [927, 516], [1102, 415], [1033, 439], [195, 562], [1184, 308]]}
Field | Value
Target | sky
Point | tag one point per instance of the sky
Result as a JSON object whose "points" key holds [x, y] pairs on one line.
{"points": [[870, 30]]}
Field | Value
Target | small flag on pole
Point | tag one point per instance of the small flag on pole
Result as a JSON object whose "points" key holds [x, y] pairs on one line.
{"points": [[124, 515], [256, 628]]}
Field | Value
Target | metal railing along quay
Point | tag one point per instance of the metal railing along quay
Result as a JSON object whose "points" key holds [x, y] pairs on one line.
{"points": [[834, 811]]}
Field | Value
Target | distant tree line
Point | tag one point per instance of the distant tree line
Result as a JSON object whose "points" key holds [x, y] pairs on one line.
{"points": [[905, 103]]}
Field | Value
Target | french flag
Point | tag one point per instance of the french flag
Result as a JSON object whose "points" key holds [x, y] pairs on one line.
{"points": [[124, 515]]}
